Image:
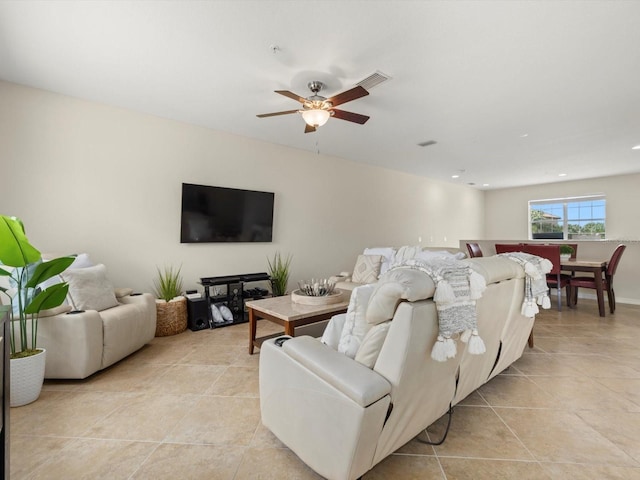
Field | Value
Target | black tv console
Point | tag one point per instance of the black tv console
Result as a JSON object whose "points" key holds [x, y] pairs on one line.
{"points": [[232, 291]]}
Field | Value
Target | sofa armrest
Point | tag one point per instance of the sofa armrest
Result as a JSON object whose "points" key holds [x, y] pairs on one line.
{"points": [[309, 391], [122, 292], [359, 383], [145, 299]]}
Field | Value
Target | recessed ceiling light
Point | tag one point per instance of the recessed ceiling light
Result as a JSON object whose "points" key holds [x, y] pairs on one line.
{"points": [[485, 184], [562, 174], [635, 147], [455, 176], [524, 135]]}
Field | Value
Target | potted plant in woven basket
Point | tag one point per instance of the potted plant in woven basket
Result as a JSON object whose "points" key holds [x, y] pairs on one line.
{"points": [[171, 307], [22, 264]]}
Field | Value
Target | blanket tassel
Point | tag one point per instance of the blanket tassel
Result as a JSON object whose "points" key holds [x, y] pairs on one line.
{"points": [[444, 293], [529, 309], [477, 285], [476, 344], [443, 349]]}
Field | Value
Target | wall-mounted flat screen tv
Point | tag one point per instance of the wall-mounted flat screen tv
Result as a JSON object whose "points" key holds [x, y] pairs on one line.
{"points": [[218, 214]]}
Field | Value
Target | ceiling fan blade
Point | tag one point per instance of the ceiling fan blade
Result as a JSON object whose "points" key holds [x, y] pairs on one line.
{"points": [[344, 97], [263, 115], [309, 128], [349, 116], [289, 94]]}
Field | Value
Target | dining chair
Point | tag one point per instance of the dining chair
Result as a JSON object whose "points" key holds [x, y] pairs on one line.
{"points": [[555, 278], [607, 280], [474, 250]]}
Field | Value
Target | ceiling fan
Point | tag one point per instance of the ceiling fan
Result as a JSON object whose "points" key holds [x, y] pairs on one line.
{"points": [[317, 109]]}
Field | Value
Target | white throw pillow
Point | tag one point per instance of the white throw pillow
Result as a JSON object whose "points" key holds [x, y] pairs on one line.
{"points": [[388, 253], [82, 261], [372, 344], [367, 269], [355, 324], [89, 288]]}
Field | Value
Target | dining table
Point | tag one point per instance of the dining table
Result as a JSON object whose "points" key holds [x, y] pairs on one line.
{"points": [[590, 266]]}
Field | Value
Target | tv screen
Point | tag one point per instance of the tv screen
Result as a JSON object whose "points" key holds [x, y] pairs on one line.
{"points": [[218, 214]]}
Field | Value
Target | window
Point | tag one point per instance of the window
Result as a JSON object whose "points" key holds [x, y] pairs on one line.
{"points": [[574, 218]]}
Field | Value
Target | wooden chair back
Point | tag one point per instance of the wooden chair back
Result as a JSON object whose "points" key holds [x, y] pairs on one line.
{"points": [[612, 266], [509, 247], [474, 250]]}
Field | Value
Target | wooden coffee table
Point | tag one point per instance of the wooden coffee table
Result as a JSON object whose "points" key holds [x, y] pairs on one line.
{"points": [[283, 311]]}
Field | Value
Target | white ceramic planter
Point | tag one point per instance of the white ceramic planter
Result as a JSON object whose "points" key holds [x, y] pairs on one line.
{"points": [[565, 257], [27, 377]]}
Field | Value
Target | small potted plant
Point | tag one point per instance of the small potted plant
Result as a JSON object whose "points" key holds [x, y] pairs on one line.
{"points": [[565, 252], [171, 306], [279, 273], [22, 264]]}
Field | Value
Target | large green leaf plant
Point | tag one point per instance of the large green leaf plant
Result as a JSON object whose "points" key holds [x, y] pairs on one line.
{"points": [[26, 272]]}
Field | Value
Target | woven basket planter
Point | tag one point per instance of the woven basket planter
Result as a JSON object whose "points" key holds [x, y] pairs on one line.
{"points": [[172, 317]]}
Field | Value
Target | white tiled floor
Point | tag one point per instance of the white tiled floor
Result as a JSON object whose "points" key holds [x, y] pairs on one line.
{"points": [[187, 407]]}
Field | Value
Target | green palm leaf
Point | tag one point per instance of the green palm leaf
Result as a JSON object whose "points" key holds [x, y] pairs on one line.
{"points": [[16, 250], [49, 298]]}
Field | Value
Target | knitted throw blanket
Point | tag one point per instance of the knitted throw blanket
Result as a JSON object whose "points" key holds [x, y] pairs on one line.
{"points": [[536, 291], [457, 289]]}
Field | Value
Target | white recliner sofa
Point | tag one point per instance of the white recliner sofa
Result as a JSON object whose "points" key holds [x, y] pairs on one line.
{"points": [[97, 326], [342, 417], [79, 344]]}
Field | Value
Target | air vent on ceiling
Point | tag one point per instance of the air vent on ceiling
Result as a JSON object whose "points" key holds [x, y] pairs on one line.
{"points": [[372, 80], [427, 143]]}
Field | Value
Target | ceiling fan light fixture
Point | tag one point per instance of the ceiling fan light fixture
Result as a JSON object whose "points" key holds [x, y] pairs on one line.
{"points": [[315, 117]]}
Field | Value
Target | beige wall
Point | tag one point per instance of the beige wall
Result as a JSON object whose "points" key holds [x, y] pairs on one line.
{"points": [[87, 177], [506, 220], [506, 210]]}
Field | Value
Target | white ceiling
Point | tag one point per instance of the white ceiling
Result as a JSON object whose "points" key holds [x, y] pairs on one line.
{"points": [[513, 92]]}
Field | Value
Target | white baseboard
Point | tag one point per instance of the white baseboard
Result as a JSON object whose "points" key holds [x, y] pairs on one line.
{"points": [[592, 296]]}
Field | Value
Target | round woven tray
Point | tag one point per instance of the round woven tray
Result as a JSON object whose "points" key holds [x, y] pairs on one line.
{"points": [[171, 317], [299, 297]]}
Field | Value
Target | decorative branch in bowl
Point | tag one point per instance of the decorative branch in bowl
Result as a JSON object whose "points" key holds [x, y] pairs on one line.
{"points": [[316, 287]]}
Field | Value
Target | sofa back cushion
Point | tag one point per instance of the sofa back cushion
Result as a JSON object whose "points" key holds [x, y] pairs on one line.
{"points": [[495, 269], [394, 286], [355, 323], [369, 349]]}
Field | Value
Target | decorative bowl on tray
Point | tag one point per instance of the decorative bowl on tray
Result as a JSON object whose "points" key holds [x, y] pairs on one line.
{"points": [[316, 292], [316, 287]]}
